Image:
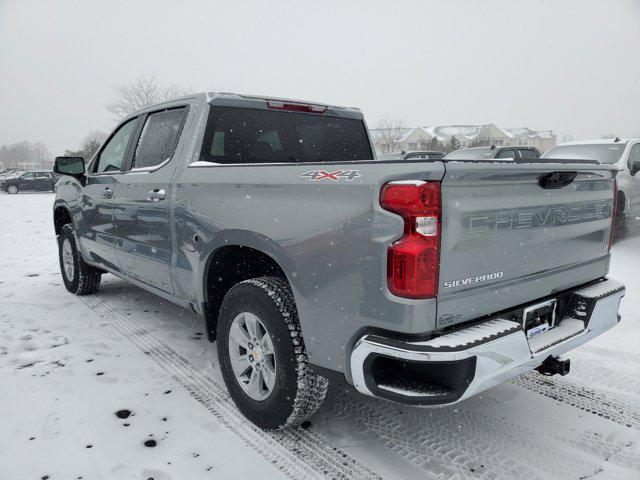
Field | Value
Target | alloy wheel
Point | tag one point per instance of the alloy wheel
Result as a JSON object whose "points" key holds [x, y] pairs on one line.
{"points": [[252, 356], [67, 260]]}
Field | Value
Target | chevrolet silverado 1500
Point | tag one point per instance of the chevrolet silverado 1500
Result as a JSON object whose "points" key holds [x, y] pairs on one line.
{"points": [[422, 282]]}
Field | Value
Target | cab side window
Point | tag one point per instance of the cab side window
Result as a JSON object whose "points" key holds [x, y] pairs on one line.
{"points": [[159, 138], [112, 155], [28, 176], [507, 153], [524, 153]]}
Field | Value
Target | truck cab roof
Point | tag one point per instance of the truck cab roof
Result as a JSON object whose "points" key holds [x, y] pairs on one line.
{"points": [[229, 99], [601, 141]]}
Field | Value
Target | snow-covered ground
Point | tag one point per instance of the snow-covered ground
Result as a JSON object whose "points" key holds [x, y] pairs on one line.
{"points": [[123, 385]]}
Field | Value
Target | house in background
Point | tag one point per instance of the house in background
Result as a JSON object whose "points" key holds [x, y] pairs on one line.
{"points": [[422, 138]]}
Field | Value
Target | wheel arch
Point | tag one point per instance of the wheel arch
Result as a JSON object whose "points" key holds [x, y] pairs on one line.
{"points": [[61, 216], [232, 263]]}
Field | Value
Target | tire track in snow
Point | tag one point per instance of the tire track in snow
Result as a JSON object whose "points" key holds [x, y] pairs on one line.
{"points": [[616, 408], [460, 443], [436, 445], [297, 452], [593, 372]]}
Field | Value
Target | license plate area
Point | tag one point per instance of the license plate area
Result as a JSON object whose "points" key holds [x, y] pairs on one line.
{"points": [[539, 318]]}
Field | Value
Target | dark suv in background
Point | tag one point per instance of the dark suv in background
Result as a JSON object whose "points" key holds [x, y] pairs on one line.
{"points": [[30, 181], [479, 153], [413, 155]]}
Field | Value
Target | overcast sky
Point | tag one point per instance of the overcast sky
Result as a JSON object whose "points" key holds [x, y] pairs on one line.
{"points": [[571, 66]]}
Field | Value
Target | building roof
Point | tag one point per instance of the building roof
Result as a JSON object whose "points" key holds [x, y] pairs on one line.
{"points": [[472, 132], [468, 132], [525, 132]]}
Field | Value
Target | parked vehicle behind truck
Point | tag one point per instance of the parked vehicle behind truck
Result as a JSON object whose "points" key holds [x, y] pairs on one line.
{"points": [[413, 155], [418, 282], [621, 153], [492, 151], [32, 181]]}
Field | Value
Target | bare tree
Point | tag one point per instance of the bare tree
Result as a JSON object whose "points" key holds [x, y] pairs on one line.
{"points": [[387, 133], [141, 93], [42, 153], [90, 145]]}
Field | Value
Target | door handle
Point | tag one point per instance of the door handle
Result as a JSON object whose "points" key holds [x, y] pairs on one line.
{"points": [[107, 192], [156, 195]]}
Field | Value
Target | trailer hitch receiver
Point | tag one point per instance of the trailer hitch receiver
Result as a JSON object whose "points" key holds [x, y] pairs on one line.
{"points": [[554, 366]]}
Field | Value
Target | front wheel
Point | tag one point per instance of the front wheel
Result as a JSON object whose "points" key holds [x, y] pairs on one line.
{"points": [[12, 189], [262, 355], [79, 277]]}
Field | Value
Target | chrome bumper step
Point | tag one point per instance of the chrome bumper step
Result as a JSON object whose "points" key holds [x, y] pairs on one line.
{"points": [[457, 365]]}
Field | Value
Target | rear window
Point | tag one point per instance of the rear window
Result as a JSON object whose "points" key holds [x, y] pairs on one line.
{"points": [[243, 135], [603, 152]]}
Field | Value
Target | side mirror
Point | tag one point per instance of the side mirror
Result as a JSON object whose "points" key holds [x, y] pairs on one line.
{"points": [[635, 168], [73, 166]]}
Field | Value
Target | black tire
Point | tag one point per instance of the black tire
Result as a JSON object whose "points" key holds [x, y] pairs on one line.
{"points": [[12, 189], [298, 391], [85, 278]]}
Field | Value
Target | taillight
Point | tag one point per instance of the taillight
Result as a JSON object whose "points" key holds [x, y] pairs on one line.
{"points": [[413, 260], [614, 212]]}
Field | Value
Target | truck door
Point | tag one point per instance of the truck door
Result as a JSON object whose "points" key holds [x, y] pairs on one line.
{"points": [[95, 230], [141, 203], [42, 181]]}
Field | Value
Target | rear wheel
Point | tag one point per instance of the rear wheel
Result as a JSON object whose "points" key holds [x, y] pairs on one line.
{"points": [[12, 189], [262, 355], [79, 277]]}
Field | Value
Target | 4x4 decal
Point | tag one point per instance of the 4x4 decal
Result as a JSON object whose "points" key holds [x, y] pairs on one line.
{"points": [[317, 175]]}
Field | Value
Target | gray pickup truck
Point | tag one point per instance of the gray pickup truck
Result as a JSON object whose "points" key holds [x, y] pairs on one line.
{"points": [[421, 282]]}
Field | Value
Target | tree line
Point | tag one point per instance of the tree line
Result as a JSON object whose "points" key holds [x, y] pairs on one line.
{"points": [[11, 156]]}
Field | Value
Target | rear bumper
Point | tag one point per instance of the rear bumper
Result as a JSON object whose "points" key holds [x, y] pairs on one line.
{"points": [[458, 365]]}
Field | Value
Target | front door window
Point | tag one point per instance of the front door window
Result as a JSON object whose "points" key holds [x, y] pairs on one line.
{"points": [[112, 155]]}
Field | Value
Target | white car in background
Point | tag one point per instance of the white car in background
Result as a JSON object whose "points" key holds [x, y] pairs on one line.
{"points": [[623, 152]]}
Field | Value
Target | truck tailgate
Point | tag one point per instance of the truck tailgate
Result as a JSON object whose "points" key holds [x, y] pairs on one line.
{"points": [[513, 233]]}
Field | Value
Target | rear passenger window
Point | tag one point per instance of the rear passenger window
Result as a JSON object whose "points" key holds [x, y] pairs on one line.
{"points": [[159, 138], [528, 154]]}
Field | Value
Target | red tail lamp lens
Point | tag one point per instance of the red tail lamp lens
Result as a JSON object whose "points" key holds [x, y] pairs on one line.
{"points": [[413, 261]]}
